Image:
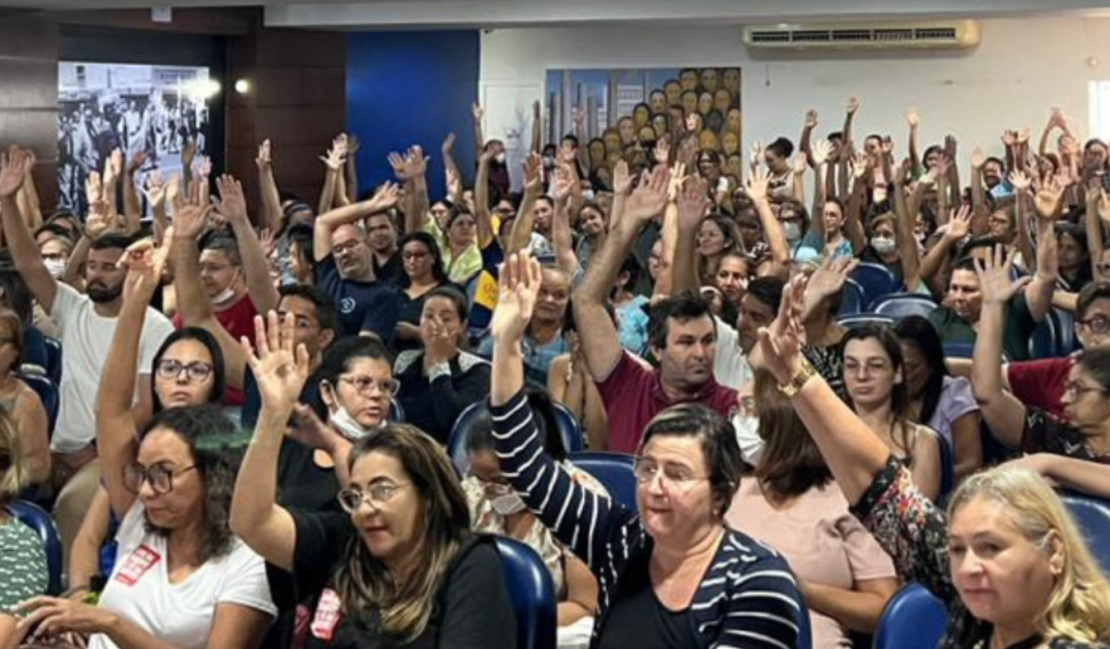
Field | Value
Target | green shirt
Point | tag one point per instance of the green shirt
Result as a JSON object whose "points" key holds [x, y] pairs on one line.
{"points": [[1017, 331], [460, 268], [23, 572]]}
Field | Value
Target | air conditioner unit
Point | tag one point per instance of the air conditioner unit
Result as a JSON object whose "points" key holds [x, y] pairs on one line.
{"points": [[952, 34]]}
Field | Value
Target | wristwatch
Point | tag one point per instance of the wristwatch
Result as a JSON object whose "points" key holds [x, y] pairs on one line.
{"points": [[801, 377]]}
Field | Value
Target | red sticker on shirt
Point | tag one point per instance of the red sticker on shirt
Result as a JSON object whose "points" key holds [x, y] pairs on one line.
{"points": [[327, 615], [137, 565]]}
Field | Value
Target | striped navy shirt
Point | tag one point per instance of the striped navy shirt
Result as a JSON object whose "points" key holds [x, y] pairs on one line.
{"points": [[748, 598]]}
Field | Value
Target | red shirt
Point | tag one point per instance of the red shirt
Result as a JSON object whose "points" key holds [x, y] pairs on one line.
{"points": [[1040, 384], [238, 321], [633, 395]]}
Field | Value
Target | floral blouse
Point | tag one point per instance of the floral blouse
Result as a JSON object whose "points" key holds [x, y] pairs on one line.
{"points": [[915, 534]]}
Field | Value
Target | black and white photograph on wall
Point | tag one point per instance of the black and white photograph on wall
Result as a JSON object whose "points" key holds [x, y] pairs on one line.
{"points": [[156, 115]]}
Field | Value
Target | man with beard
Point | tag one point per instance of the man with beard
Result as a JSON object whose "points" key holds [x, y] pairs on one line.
{"points": [[87, 323], [345, 268], [682, 335]]}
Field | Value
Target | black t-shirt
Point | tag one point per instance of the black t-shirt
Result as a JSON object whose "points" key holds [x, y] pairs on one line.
{"points": [[472, 608], [638, 619], [392, 271], [363, 306]]}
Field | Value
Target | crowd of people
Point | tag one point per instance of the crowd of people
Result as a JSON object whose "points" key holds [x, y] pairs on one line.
{"points": [[253, 406]]}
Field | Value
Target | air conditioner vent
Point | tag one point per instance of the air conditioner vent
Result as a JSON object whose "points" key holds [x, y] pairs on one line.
{"points": [[954, 34]]}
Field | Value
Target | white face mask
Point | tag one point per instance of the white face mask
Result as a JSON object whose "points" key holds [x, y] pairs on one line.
{"points": [[508, 504], [588, 195], [883, 245], [791, 230], [225, 296], [348, 426], [55, 267], [500, 158]]}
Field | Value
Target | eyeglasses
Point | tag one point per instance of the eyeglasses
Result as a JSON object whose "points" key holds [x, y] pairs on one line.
{"points": [[159, 476], [646, 470], [348, 246], [378, 494], [364, 384], [414, 255], [169, 368], [1074, 389], [1097, 324]]}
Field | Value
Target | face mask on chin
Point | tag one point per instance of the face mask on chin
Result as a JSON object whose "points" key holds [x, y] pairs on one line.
{"points": [[224, 297], [348, 426], [883, 245], [792, 231]]}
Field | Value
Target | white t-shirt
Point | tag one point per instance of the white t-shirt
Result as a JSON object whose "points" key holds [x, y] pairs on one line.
{"points": [[180, 614], [86, 337], [730, 364]]}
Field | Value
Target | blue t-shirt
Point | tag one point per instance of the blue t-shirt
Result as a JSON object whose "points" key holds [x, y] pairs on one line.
{"points": [[363, 306]]}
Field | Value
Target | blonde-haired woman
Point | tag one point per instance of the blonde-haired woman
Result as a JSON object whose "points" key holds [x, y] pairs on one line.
{"points": [[21, 403], [1007, 560], [23, 572], [400, 568]]}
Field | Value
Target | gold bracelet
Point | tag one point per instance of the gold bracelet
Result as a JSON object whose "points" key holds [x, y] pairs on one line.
{"points": [[805, 372]]}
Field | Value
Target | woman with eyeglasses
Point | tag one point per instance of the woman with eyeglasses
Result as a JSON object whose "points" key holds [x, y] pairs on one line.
{"points": [[439, 381], [1072, 452], [181, 579], [1006, 559], [398, 567], [423, 272], [672, 573], [875, 382], [23, 568], [356, 387]]}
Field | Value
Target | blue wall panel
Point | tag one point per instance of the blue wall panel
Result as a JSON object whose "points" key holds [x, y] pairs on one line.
{"points": [[407, 88]]}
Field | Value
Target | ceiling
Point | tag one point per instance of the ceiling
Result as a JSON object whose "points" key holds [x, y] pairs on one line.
{"points": [[401, 14]]}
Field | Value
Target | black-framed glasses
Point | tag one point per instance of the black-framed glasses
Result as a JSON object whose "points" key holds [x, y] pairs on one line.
{"points": [[365, 384], [169, 368], [1075, 389], [160, 476], [378, 494]]}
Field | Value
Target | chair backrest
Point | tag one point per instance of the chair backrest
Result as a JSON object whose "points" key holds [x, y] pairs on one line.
{"points": [[1065, 332], [1092, 515], [37, 519], [959, 350], [396, 412], [53, 359], [876, 280], [569, 429], [613, 470], [912, 619], [532, 592], [48, 393], [1045, 341], [853, 300], [947, 463], [861, 319], [900, 305]]}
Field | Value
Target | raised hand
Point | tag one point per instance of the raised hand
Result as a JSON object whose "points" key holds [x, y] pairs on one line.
{"points": [[136, 163], [913, 118], [649, 199], [662, 152], [188, 152], [622, 179], [99, 220], [411, 165], [995, 281], [478, 113], [454, 183], [1058, 119], [562, 185], [852, 106], [781, 343], [887, 145], [1009, 138], [678, 178], [204, 168], [950, 146], [800, 163], [533, 173], [821, 151], [1023, 135], [265, 158], [189, 222], [944, 164], [1020, 181], [113, 167], [828, 279], [692, 201], [758, 184], [978, 158], [811, 119], [155, 190], [517, 288], [13, 170], [859, 165], [1049, 197], [279, 370], [232, 205], [337, 154], [386, 198], [144, 263], [448, 143], [268, 242], [959, 223], [755, 153]]}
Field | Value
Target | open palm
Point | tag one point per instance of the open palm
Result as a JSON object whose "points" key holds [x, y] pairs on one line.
{"points": [[781, 343], [279, 371], [518, 286]]}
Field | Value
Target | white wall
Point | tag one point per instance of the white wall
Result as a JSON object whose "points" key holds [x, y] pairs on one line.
{"points": [[1021, 68]]}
